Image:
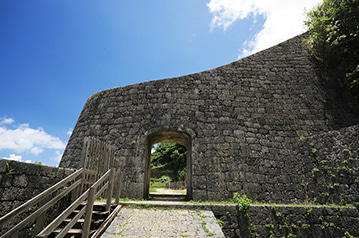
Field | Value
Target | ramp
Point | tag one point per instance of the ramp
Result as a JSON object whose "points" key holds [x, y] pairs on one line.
{"points": [[152, 221]]}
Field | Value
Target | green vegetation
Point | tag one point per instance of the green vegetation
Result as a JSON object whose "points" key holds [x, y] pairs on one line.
{"points": [[157, 183], [220, 223], [334, 39], [347, 235], [308, 210], [170, 156], [329, 172], [8, 170], [273, 205], [204, 223], [305, 226], [243, 202]]}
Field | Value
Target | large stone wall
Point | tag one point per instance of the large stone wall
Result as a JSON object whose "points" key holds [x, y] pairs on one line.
{"points": [[241, 123], [19, 182], [287, 221]]}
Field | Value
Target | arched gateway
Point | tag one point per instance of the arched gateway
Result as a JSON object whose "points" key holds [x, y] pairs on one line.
{"points": [[241, 123], [169, 136]]}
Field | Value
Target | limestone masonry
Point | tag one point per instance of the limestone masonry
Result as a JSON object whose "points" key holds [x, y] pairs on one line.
{"points": [[241, 124], [20, 182]]}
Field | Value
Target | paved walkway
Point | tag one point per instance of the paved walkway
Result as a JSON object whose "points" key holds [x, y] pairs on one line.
{"points": [[135, 221]]}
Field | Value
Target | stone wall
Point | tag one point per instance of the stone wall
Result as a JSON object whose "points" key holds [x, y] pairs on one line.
{"points": [[19, 182], [287, 221], [331, 166], [243, 121]]}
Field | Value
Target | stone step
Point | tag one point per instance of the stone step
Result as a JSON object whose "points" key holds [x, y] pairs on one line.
{"points": [[74, 232]]}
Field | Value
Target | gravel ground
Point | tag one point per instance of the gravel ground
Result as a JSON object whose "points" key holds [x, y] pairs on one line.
{"points": [[163, 222]]}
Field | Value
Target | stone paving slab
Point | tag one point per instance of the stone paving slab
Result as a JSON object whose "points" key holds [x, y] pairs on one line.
{"points": [[163, 222]]}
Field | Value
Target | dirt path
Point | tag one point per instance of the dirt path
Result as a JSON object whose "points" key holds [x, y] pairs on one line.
{"points": [[163, 222]]}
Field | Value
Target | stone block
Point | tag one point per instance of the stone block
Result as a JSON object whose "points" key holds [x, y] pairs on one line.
{"points": [[6, 180], [20, 181], [253, 188]]}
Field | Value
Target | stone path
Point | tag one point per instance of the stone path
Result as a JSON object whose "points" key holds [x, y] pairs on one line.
{"points": [[163, 222], [169, 191]]}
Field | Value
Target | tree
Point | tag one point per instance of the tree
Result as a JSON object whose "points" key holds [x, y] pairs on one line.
{"points": [[334, 28], [171, 156]]}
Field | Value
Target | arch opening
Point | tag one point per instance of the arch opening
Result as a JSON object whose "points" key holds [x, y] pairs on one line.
{"points": [[177, 137]]}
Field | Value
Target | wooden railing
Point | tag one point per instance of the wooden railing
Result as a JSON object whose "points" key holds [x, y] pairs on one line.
{"points": [[91, 194], [97, 155]]}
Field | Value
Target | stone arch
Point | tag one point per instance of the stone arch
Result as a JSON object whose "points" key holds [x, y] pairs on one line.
{"points": [[169, 136]]}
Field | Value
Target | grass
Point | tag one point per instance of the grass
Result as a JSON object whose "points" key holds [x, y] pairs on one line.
{"points": [[231, 202], [153, 190], [302, 204], [204, 223], [157, 184]]}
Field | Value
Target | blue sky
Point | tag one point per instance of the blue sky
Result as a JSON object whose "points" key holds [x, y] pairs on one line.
{"points": [[55, 54]]}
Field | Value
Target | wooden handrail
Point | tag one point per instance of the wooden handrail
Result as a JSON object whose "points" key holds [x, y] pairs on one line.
{"points": [[91, 197], [110, 191], [71, 223], [40, 211], [55, 223], [24, 207], [100, 180], [33, 201], [96, 155], [88, 215]]}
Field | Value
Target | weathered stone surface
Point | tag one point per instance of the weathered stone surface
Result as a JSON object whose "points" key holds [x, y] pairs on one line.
{"points": [[19, 182], [243, 119], [280, 221], [332, 166]]}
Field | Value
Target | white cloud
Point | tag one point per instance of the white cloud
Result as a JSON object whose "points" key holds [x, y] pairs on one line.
{"points": [[284, 19], [6, 121], [24, 138], [228, 11], [36, 150], [16, 158], [58, 156], [69, 132]]}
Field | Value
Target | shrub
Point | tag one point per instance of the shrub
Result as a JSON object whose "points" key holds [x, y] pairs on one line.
{"points": [[334, 39], [243, 202]]}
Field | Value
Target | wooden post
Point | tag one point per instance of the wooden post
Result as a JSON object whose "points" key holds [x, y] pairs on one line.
{"points": [[85, 153], [118, 190], [40, 220], [110, 190], [88, 215]]}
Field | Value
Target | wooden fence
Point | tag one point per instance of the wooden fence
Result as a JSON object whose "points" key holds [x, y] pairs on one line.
{"points": [[97, 155]]}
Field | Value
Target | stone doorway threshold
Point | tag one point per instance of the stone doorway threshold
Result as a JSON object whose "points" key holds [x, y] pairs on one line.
{"points": [[168, 194]]}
